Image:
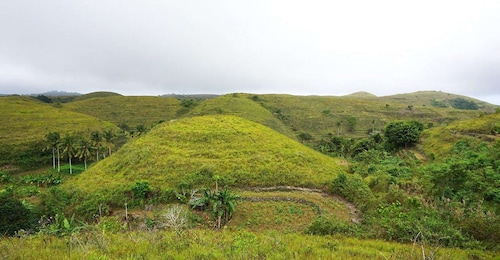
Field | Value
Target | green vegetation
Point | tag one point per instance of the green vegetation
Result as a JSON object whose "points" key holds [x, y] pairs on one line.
{"points": [[126, 111], [416, 170], [25, 122], [206, 244]]}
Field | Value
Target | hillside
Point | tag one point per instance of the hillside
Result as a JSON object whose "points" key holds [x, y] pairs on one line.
{"points": [[435, 99], [440, 140], [241, 105], [352, 116], [128, 110], [96, 95], [24, 120], [192, 151]]}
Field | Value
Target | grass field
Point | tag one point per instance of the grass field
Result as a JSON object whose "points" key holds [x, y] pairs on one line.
{"points": [[25, 120], [227, 244], [129, 110]]}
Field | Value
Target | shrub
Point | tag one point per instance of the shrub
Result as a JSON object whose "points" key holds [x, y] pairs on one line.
{"points": [[14, 216], [353, 188]]}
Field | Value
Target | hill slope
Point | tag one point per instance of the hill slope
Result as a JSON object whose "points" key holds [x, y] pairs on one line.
{"points": [[241, 105], [194, 150], [352, 116], [128, 110], [440, 140], [25, 120], [436, 99]]}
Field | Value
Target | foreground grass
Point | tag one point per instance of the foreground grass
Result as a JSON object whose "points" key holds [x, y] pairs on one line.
{"points": [[226, 244]]}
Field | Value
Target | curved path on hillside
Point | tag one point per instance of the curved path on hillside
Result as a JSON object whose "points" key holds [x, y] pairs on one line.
{"points": [[353, 211]]}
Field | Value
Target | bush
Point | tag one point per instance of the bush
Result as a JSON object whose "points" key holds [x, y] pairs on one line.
{"points": [[322, 226], [14, 216], [353, 188]]}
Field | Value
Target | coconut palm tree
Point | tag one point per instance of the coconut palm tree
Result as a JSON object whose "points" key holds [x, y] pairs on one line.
{"points": [[84, 150], [54, 141], [108, 137], [96, 139], [68, 143]]}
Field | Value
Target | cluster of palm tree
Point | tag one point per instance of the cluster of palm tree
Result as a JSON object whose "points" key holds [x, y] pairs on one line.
{"points": [[221, 203], [78, 146]]}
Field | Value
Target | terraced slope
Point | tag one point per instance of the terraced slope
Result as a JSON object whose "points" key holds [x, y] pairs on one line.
{"points": [[128, 110], [24, 120], [197, 150]]}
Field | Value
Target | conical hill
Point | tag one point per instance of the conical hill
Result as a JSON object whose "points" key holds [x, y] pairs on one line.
{"points": [[196, 151]]}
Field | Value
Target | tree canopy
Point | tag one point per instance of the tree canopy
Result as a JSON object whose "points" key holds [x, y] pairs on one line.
{"points": [[400, 134]]}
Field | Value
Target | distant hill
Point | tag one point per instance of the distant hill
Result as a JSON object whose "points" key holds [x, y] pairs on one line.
{"points": [[194, 150], [128, 110], [353, 116], [242, 105], [24, 120], [361, 94], [56, 93], [96, 95], [436, 99], [191, 96]]}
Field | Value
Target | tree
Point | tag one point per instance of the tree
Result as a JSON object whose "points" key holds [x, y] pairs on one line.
{"points": [[351, 123], [108, 137], [14, 216], [400, 134], [96, 140], [222, 204], [68, 144], [83, 150], [54, 141]]}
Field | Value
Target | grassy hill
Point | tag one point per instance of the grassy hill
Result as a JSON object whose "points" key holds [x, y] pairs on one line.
{"points": [[96, 95], [352, 116], [241, 105], [440, 140], [436, 99], [128, 110], [24, 120], [194, 150]]}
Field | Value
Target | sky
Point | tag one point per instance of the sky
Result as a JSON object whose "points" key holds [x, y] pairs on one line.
{"points": [[155, 47]]}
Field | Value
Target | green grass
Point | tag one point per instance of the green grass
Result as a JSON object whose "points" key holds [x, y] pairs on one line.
{"points": [[194, 150], [24, 120], [129, 110], [440, 140], [320, 115], [424, 98], [241, 105], [286, 211], [227, 244]]}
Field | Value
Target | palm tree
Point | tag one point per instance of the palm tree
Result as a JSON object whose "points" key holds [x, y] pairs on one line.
{"points": [[224, 206], [108, 137], [83, 150], [54, 140], [96, 139], [68, 144]]}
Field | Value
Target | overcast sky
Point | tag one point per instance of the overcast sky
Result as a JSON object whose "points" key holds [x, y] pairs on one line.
{"points": [[154, 47]]}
